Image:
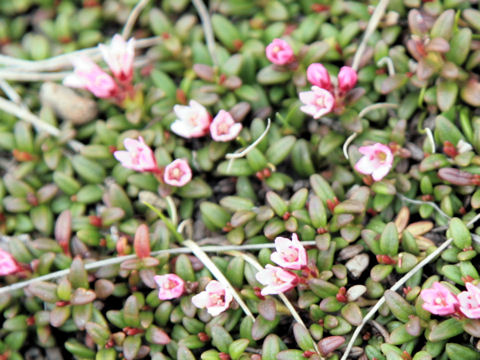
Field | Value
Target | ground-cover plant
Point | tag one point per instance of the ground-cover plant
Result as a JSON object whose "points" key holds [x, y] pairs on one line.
{"points": [[239, 179]]}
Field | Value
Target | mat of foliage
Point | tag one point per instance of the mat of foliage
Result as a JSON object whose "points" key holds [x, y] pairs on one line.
{"points": [[374, 170]]}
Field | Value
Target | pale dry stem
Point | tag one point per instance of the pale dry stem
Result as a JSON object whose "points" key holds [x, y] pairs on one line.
{"points": [[132, 18], [371, 27], [207, 29]]}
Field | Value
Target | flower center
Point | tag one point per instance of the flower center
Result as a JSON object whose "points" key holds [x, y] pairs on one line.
{"points": [[193, 119], [169, 284], [135, 156], [276, 49], [176, 173], [223, 128], [216, 299], [381, 156], [290, 255], [320, 102], [440, 301]]}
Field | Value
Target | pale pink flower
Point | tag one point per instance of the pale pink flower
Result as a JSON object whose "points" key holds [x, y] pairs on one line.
{"points": [[216, 298], [347, 79], [377, 161], [89, 76], [276, 280], [470, 301], [439, 300], [177, 173], [193, 120], [318, 75], [138, 156], [290, 254], [317, 102], [224, 128], [119, 57], [8, 265], [279, 52], [170, 286]]}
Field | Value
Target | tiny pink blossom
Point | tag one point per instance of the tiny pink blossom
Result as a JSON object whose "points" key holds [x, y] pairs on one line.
{"points": [[290, 254], [177, 173], [8, 265], [439, 300], [89, 76], [318, 75], [170, 286], [216, 298], [317, 102], [138, 156], [119, 57], [193, 120], [279, 52], [347, 79], [377, 161], [276, 280], [470, 301], [223, 128]]}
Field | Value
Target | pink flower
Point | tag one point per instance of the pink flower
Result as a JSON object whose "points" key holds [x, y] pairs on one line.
{"points": [[216, 298], [138, 156], [347, 79], [470, 301], [290, 254], [193, 120], [276, 280], [177, 173], [224, 128], [119, 57], [279, 52], [8, 265], [377, 161], [317, 102], [439, 300], [319, 76], [89, 76], [170, 286]]}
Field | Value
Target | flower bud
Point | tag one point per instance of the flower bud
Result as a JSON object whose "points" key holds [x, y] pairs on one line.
{"points": [[318, 75], [347, 79]]}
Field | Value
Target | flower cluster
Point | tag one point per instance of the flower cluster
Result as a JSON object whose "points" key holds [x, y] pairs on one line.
{"points": [[323, 97], [194, 121], [139, 157], [216, 298], [439, 300], [377, 161], [8, 265], [290, 255], [89, 76]]}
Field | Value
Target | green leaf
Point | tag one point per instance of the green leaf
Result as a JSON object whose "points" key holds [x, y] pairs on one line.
{"points": [[262, 327], [446, 330], [389, 240], [456, 351], [270, 76], [225, 31], [272, 345], [221, 339], [445, 130], [399, 307], [460, 234], [446, 94]]}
